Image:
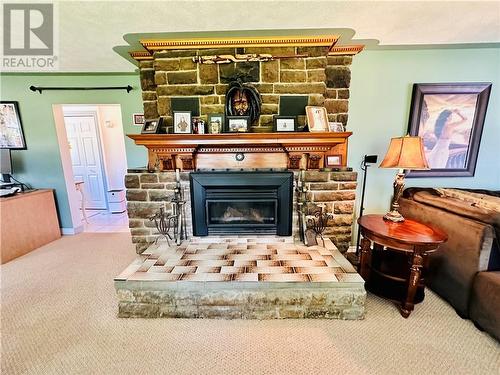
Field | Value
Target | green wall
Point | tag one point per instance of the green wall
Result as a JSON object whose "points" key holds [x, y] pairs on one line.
{"points": [[40, 165], [379, 108]]}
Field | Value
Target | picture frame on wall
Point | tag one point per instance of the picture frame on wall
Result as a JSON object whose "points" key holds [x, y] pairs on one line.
{"points": [[449, 117], [11, 127], [333, 161], [182, 122], [317, 119], [152, 126], [285, 124], [237, 124], [138, 119]]}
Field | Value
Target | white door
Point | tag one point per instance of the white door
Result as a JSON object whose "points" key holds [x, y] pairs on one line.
{"points": [[86, 158]]}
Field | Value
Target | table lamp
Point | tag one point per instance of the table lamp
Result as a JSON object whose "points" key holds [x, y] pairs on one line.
{"points": [[403, 153]]}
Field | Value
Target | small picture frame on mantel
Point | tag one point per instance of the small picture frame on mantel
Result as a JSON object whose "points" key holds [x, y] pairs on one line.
{"points": [[237, 124], [333, 161], [182, 122], [152, 126], [285, 124]]}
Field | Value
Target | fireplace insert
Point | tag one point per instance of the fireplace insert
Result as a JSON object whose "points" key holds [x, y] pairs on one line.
{"points": [[239, 202]]}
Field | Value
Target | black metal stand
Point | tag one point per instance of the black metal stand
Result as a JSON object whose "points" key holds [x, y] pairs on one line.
{"points": [[367, 160]]}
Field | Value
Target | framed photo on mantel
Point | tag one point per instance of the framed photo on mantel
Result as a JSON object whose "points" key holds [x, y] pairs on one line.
{"points": [[449, 117]]}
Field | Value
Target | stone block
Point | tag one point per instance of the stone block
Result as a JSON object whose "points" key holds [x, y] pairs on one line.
{"points": [[299, 88], [324, 186], [338, 77], [331, 93], [316, 176], [291, 312], [328, 196], [297, 63], [269, 71], [317, 75], [149, 95], [337, 105], [343, 118], [339, 60], [150, 110], [348, 186], [293, 76], [264, 88], [136, 195], [266, 120], [146, 64], [187, 312], [168, 54], [184, 90], [135, 223], [140, 232], [209, 73], [248, 70], [147, 77], [153, 185], [224, 298], [149, 177], [211, 99], [344, 176], [219, 312], [214, 108], [269, 109], [270, 99], [275, 51], [221, 89], [342, 219], [143, 210], [166, 65], [316, 63], [343, 208], [316, 100], [160, 195], [343, 93], [182, 77], [312, 51], [187, 64], [337, 229], [164, 106], [160, 78], [132, 181], [137, 310], [166, 176]]}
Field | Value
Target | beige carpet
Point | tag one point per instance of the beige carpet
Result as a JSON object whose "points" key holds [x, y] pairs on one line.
{"points": [[59, 317]]}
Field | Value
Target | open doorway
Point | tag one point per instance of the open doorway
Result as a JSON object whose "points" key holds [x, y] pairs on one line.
{"points": [[94, 163]]}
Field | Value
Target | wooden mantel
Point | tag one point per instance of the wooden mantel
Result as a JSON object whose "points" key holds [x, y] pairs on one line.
{"points": [[244, 150]]}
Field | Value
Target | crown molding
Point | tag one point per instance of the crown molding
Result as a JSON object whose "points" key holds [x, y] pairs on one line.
{"points": [[141, 55], [274, 41], [346, 50]]}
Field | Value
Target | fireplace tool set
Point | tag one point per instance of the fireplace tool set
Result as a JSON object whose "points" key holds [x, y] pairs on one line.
{"points": [[311, 226], [176, 220]]}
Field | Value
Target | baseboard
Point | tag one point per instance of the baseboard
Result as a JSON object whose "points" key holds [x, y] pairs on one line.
{"points": [[71, 231]]}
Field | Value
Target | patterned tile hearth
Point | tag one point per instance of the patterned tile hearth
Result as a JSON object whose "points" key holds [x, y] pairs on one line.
{"points": [[231, 277]]}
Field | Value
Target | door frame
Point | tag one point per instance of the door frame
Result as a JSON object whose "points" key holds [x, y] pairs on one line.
{"points": [[93, 114]]}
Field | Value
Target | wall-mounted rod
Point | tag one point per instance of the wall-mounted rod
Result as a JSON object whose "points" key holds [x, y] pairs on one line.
{"points": [[40, 89]]}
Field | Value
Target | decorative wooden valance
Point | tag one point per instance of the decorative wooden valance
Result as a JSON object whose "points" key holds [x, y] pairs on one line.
{"points": [[246, 150]]}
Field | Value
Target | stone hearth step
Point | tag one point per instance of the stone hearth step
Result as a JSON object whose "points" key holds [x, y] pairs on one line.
{"points": [[246, 277]]}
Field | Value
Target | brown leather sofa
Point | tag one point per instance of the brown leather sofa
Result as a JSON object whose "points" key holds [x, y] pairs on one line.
{"points": [[465, 271]]}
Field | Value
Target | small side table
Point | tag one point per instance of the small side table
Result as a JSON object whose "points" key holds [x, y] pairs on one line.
{"points": [[393, 268]]}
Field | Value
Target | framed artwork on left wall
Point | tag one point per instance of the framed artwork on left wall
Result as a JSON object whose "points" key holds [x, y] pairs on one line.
{"points": [[11, 127], [449, 117]]}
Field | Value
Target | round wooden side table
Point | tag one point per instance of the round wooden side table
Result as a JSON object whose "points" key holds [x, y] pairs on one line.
{"points": [[393, 268]]}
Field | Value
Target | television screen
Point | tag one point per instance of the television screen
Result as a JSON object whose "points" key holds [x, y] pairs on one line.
{"points": [[11, 128]]}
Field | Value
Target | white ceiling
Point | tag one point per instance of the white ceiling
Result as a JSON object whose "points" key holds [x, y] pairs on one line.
{"points": [[89, 30]]}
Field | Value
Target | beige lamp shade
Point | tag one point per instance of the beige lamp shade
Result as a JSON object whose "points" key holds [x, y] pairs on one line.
{"points": [[405, 153]]}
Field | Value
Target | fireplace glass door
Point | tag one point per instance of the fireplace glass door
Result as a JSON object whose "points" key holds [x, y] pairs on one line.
{"points": [[241, 212]]}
